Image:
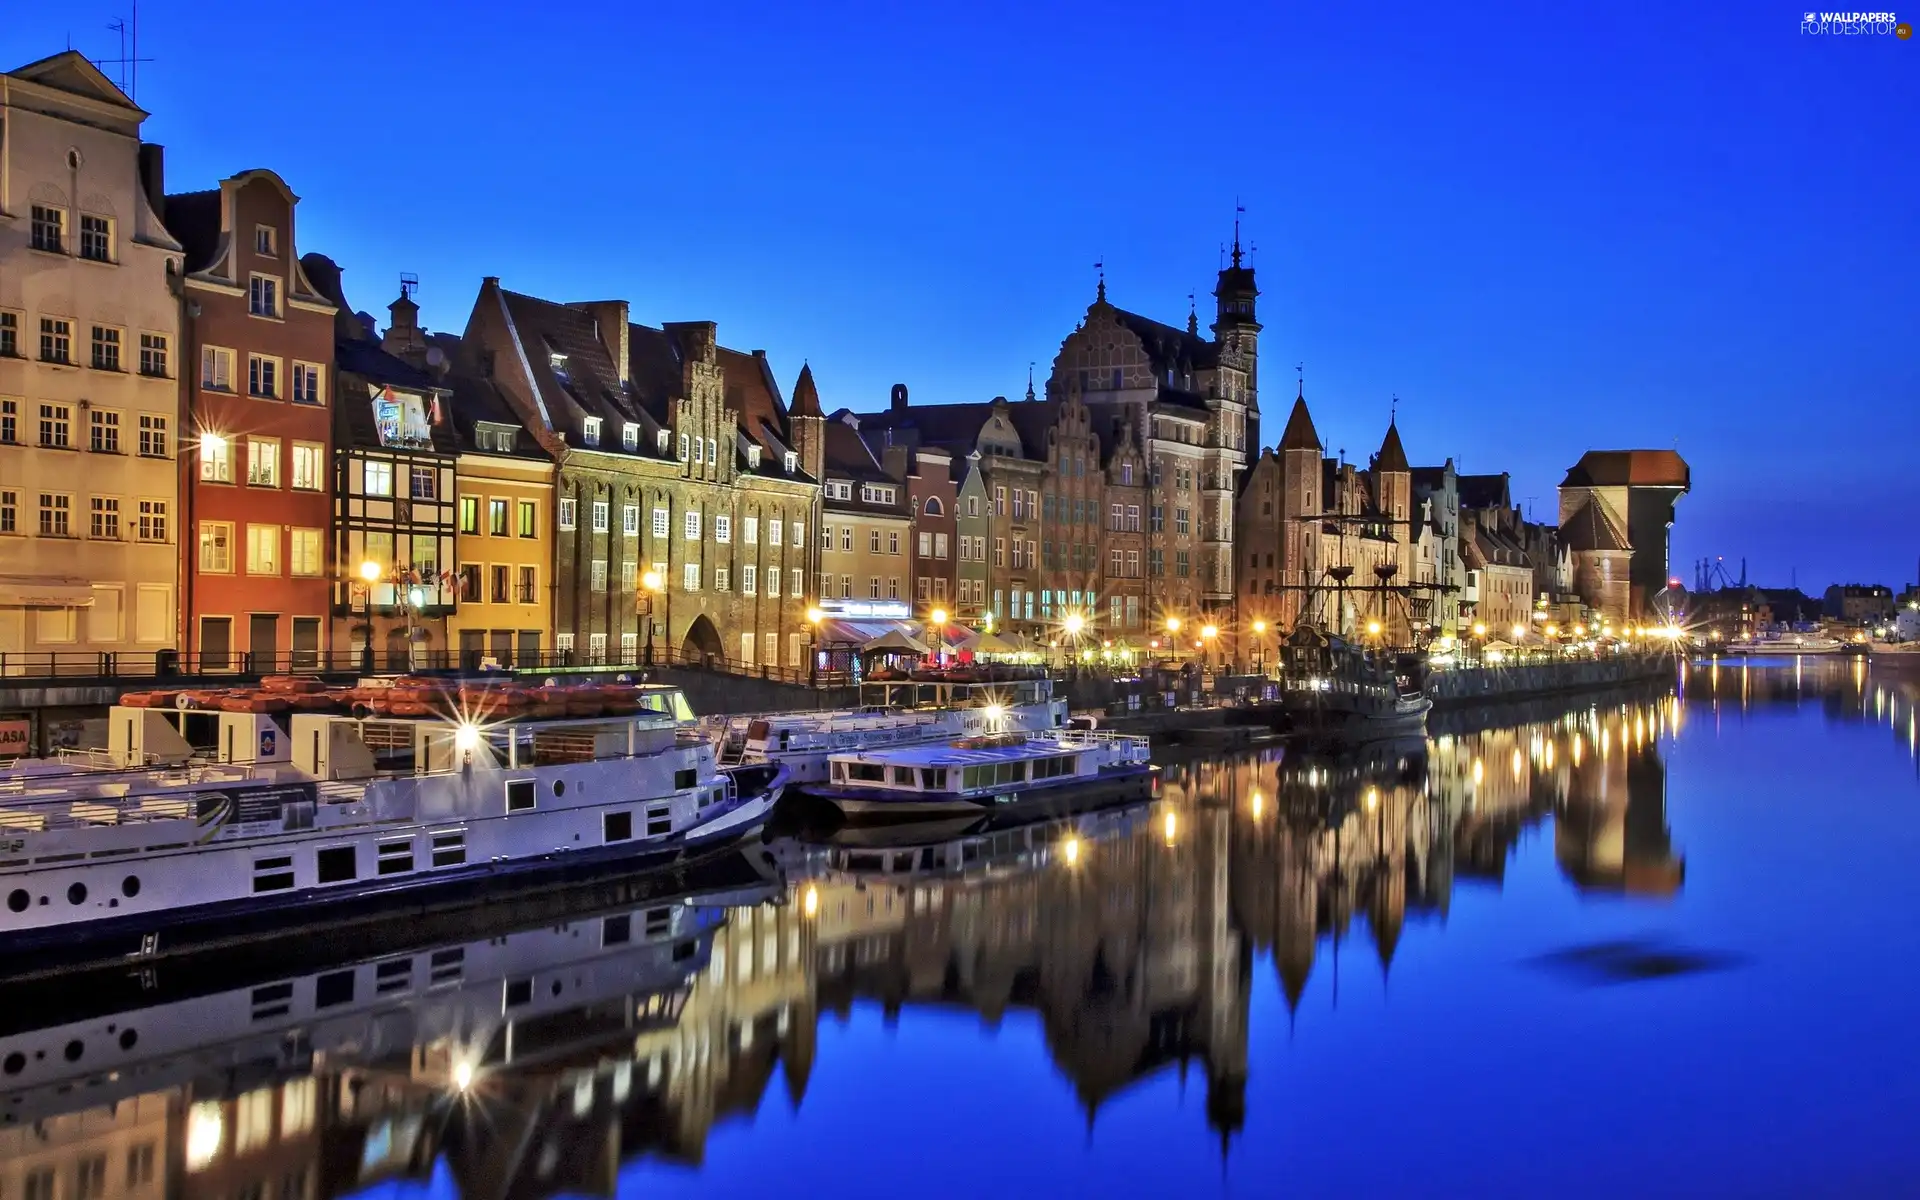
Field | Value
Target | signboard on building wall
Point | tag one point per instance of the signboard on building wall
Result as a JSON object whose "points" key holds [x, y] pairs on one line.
{"points": [[401, 418], [867, 610], [16, 737]]}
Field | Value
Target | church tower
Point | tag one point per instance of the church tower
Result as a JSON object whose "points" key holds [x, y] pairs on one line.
{"points": [[1237, 330]]}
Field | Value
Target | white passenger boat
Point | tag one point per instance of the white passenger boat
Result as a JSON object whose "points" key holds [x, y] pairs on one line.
{"points": [[1012, 772], [892, 712], [1787, 644], [206, 826]]}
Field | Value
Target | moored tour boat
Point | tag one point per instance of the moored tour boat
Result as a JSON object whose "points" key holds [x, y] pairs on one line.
{"points": [[935, 706], [1787, 644], [211, 821], [1012, 772]]}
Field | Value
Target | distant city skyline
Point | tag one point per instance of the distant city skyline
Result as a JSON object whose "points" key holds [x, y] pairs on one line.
{"points": [[1547, 235]]}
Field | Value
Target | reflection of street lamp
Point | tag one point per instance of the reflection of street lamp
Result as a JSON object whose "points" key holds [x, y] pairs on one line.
{"points": [[814, 617], [1207, 634], [650, 585], [939, 617], [1260, 647]]}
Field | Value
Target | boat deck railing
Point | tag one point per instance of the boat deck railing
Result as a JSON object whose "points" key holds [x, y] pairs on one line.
{"points": [[38, 811]]}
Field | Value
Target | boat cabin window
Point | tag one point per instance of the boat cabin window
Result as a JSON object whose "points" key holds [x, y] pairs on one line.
{"points": [[520, 795], [994, 775], [931, 777], [903, 775], [1054, 768], [860, 772]]}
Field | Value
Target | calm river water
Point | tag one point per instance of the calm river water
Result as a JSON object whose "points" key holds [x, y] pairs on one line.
{"points": [[1648, 945]]}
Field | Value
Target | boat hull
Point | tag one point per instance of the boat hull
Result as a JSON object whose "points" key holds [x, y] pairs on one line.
{"points": [[163, 933], [1114, 785], [1351, 726]]}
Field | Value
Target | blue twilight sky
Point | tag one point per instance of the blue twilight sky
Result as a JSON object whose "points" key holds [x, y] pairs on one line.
{"points": [[1545, 231]]}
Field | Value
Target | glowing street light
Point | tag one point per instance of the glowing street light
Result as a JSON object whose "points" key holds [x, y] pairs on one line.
{"points": [[370, 571], [1074, 624]]}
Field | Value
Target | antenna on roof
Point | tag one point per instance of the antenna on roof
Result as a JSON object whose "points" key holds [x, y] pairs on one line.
{"points": [[129, 60], [1393, 408], [409, 284], [1300, 369]]}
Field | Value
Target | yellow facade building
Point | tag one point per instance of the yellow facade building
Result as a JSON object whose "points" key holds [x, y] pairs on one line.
{"points": [[503, 534]]}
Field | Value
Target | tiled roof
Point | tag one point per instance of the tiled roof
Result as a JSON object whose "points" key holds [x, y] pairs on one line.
{"points": [[1631, 468], [1300, 433], [954, 427], [654, 372], [752, 392], [1593, 528], [847, 454], [475, 399], [1392, 456], [806, 394], [193, 218], [1484, 491], [586, 383], [1170, 347]]}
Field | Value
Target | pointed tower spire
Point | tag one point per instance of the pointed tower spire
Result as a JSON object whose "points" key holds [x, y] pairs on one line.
{"points": [[806, 396], [1239, 210], [1193, 317], [1100, 293], [1029, 381]]}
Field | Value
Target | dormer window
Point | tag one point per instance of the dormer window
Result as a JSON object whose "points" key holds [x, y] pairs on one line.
{"points": [[664, 442], [753, 458], [793, 462], [630, 437], [590, 432]]}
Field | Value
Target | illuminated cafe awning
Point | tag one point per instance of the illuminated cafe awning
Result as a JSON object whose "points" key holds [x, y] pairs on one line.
{"points": [[45, 591]]}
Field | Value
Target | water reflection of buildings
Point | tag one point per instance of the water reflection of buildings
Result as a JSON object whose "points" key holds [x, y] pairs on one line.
{"points": [[529, 1063], [1883, 692], [547, 1061]]}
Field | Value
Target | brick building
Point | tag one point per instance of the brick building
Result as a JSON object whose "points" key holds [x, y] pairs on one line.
{"points": [[257, 494], [674, 456]]}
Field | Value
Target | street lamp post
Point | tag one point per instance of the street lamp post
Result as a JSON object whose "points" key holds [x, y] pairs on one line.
{"points": [[1207, 634], [650, 585], [1259, 647], [939, 618]]}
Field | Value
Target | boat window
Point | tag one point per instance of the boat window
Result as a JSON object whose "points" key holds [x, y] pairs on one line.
{"points": [[903, 776], [616, 930], [517, 992], [336, 864], [446, 966], [930, 777], [395, 858], [927, 695], [616, 827], [449, 849], [690, 777], [272, 1000], [520, 795], [867, 772], [332, 989], [394, 975], [659, 821], [272, 874]]}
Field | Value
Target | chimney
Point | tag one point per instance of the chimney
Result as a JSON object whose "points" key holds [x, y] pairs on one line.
{"points": [[153, 177], [893, 460], [610, 327], [899, 402]]}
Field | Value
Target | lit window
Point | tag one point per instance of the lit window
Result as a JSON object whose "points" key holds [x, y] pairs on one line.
{"points": [[690, 577], [590, 431], [49, 229], [377, 477]]}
